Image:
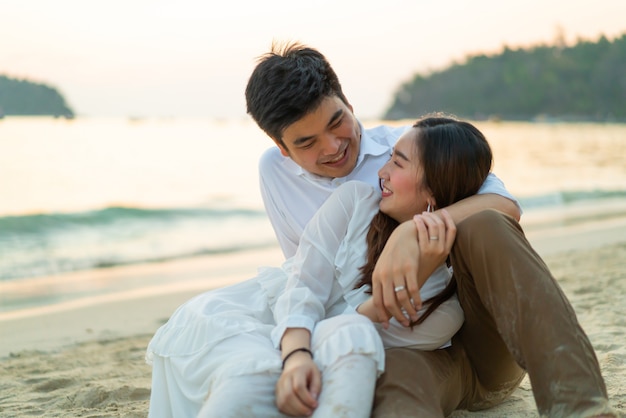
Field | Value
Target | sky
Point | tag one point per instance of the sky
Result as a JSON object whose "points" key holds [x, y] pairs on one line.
{"points": [[188, 58]]}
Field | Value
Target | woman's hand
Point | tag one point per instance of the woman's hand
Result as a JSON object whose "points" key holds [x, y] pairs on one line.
{"points": [[299, 385], [368, 309], [397, 263], [412, 253]]}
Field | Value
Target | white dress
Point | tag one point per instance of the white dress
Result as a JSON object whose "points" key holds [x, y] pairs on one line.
{"points": [[234, 332]]}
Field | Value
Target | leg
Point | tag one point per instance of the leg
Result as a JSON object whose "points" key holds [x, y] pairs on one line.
{"points": [[347, 388], [349, 354], [243, 396], [244, 382], [428, 384], [210, 339], [166, 396], [516, 313]]}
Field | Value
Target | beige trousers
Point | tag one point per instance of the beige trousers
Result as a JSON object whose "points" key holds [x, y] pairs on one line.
{"points": [[517, 321]]}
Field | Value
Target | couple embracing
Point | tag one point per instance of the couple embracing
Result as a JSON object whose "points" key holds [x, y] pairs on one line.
{"points": [[408, 288]]}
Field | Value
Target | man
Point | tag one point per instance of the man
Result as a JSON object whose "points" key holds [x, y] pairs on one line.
{"points": [[320, 144], [295, 97]]}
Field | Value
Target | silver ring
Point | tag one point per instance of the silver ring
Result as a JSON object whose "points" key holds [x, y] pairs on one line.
{"points": [[398, 288], [434, 238]]}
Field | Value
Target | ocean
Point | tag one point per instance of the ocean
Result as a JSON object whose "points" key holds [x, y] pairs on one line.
{"points": [[93, 193]]}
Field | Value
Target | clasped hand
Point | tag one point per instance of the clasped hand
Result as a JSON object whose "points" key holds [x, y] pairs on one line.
{"points": [[298, 386], [413, 252]]}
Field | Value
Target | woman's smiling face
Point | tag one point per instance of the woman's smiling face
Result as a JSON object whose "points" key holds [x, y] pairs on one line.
{"points": [[402, 180]]}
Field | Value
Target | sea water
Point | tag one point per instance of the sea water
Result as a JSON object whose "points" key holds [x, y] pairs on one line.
{"points": [[93, 193]]}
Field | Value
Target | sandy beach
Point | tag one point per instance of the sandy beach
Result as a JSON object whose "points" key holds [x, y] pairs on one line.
{"points": [[84, 356]]}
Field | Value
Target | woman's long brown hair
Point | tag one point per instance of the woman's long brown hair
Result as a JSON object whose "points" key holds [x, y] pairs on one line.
{"points": [[456, 159]]}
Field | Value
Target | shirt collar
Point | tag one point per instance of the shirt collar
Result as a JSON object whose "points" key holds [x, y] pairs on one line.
{"points": [[369, 146]]}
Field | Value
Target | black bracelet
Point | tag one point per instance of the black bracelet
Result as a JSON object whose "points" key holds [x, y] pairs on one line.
{"points": [[306, 350]]}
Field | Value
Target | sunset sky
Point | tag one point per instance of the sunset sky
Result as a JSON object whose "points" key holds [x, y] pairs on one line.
{"points": [[156, 58]]}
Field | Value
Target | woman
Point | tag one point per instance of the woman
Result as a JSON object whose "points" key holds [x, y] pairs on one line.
{"points": [[290, 340]]}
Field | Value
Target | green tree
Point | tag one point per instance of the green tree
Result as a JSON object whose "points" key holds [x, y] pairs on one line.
{"points": [[22, 97], [586, 81]]}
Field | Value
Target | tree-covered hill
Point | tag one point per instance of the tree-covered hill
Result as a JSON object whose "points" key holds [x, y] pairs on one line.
{"points": [[22, 97], [586, 81]]}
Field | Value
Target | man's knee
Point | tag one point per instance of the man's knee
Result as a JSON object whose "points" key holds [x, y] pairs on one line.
{"points": [[488, 228], [480, 221]]}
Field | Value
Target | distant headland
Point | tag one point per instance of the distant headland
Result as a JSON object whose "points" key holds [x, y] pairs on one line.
{"points": [[582, 82], [26, 98]]}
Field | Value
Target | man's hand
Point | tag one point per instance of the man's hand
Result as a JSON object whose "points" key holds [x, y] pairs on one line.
{"points": [[299, 385], [412, 253]]}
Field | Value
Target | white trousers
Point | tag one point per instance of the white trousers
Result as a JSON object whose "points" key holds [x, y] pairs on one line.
{"points": [[347, 349]]}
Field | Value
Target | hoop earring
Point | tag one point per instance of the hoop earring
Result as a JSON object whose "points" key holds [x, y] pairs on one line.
{"points": [[429, 208]]}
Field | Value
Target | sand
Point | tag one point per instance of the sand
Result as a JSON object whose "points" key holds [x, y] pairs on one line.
{"points": [[84, 357]]}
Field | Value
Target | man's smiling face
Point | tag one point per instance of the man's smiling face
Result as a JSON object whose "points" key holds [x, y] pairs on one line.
{"points": [[326, 141]]}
